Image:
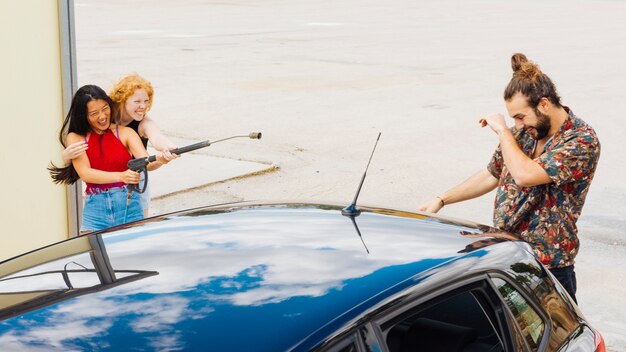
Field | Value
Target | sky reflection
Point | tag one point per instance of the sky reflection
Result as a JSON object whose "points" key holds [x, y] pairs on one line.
{"points": [[262, 265]]}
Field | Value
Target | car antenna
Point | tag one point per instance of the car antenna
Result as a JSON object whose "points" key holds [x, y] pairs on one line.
{"points": [[352, 210], [359, 233]]}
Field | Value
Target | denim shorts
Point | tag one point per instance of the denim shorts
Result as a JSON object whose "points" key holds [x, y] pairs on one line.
{"points": [[108, 208], [145, 196]]}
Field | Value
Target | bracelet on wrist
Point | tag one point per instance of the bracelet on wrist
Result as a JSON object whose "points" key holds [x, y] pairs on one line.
{"points": [[443, 204]]}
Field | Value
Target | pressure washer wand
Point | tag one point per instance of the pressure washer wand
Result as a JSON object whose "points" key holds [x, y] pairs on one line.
{"points": [[140, 164], [185, 149]]}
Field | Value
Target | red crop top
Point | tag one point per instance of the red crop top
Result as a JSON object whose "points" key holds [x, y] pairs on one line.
{"points": [[107, 153]]}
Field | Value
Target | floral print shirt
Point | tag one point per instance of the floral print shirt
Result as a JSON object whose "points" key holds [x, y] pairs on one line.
{"points": [[545, 215]]}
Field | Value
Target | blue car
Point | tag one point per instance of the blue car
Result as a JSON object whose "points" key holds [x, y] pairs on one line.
{"points": [[288, 277]]}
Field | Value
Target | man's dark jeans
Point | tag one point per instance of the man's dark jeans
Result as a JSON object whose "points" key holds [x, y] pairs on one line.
{"points": [[567, 278]]}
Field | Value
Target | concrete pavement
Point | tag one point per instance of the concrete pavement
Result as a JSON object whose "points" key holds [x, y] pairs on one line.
{"points": [[193, 170], [320, 78]]}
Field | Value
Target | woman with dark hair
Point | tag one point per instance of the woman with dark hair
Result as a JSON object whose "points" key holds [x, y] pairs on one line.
{"points": [[103, 167], [132, 98]]}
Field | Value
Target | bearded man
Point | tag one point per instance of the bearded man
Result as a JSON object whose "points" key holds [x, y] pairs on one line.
{"points": [[542, 169]]}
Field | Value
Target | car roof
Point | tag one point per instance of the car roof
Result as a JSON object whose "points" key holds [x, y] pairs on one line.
{"points": [[232, 277]]}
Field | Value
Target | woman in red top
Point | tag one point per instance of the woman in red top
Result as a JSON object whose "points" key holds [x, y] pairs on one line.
{"points": [[104, 166], [132, 98]]}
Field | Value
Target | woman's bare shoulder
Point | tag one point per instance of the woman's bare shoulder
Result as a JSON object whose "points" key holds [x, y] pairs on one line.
{"points": [[146, 118], [147, 121], [121, 128], [73, 137]]}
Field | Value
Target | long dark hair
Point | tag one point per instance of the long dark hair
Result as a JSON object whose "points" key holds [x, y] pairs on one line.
{"points": [[531, 82], [76, 121]]}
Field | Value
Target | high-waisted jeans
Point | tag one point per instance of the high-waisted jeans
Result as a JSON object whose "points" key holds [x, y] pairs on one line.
{"points": [[108, 208], [145, 196]]}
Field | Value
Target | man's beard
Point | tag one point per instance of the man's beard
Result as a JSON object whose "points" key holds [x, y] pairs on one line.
{"points": [[543, 125]]}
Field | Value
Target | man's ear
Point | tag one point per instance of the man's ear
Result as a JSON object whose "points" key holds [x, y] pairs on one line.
{"points": [[544, 105]]}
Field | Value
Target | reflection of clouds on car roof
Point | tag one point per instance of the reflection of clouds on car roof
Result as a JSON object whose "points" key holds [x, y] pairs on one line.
{"points": [[303, 259]]}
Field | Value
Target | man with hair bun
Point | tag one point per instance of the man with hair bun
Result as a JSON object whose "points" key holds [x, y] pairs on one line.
{"points": [[542, 170]]}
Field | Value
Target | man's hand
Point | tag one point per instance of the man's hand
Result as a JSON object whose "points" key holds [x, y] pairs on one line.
{"points": [[495, 121], [432, 206]]}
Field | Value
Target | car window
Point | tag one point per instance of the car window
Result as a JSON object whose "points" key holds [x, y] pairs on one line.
{"points": [[561, 321], [69, 272], [351, 347], [458, 323], [529, 321], [347, 344], [49, 280]]}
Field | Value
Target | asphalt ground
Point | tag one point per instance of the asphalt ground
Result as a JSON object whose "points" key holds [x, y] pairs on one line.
{"points": [[321, 78]]}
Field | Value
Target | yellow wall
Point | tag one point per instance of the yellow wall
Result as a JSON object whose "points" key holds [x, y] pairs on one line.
{"points": [[33, 210]]}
